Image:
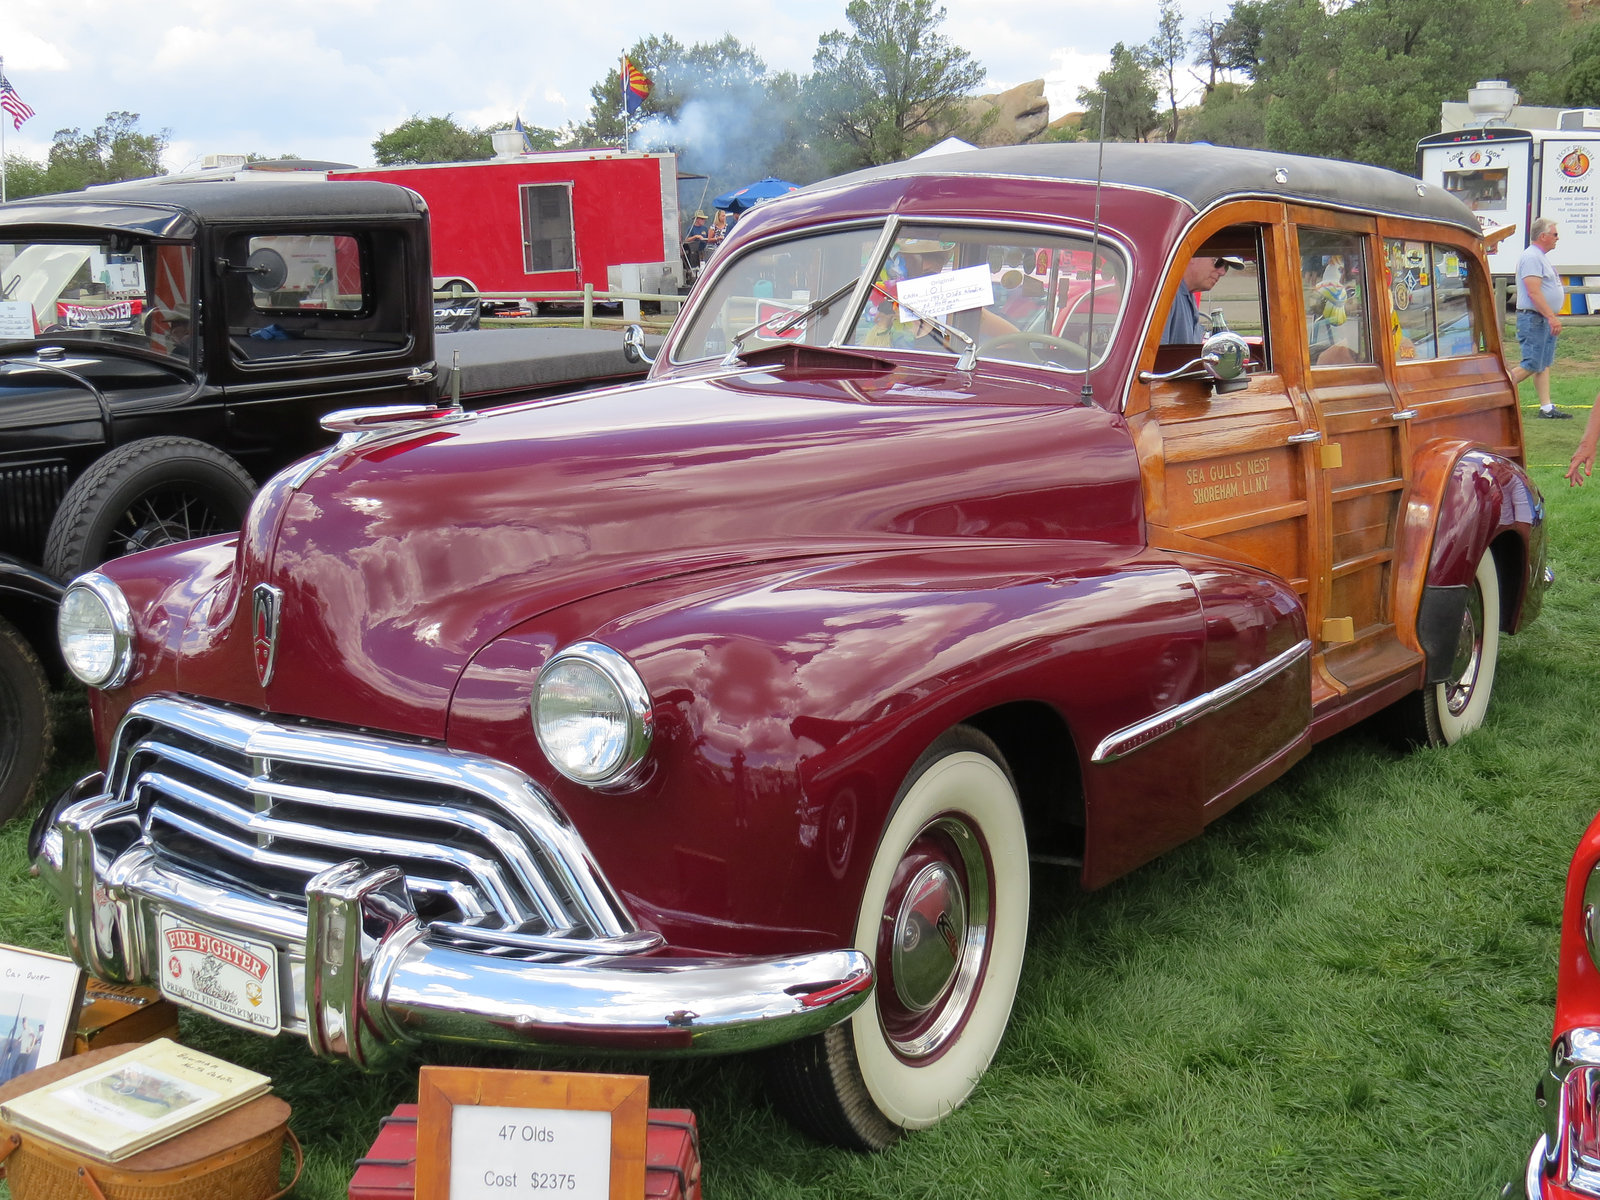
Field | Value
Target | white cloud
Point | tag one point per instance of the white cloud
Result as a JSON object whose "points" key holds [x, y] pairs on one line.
{"points": [[322, 78]]}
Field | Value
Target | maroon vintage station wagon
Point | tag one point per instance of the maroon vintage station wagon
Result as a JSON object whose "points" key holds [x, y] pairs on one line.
{"points": [[727, 710]]}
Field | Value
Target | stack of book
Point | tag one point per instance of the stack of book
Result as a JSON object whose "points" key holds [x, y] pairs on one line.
{"points": [[133, 1100]]}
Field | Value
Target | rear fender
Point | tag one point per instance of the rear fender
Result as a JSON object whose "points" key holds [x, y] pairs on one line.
{"points": [[791, 704], [1466, 499]]}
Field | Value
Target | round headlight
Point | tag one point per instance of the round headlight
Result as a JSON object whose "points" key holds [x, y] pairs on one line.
{"points": [[95, 627], [592, 715]]}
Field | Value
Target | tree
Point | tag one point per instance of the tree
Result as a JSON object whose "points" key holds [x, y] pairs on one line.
{"points": [[892, 86], [716, 106], [1229, 115], [1205, 40], [24, 178], [1580, 88], [1125, 93], [430, 140], [1364, 80], [1165, 53], [656, 57], [114, 151], [1239, 37]]}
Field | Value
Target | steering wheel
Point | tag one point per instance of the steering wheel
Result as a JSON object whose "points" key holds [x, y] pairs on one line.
{"points": [[1077, 354]]}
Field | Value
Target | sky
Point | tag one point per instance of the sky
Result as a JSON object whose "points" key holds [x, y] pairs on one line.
{"points": [[322, 78]]}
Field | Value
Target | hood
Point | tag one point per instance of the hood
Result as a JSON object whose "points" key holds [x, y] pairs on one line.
{"points": [[400, 559]]}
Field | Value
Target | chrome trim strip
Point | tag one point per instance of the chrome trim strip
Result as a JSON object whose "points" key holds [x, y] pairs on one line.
{"points": [[1137, 736], [633, 943], [1533, 1175]]}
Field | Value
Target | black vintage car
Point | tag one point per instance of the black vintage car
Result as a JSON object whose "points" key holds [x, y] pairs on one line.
{"points": [[167, 345]]}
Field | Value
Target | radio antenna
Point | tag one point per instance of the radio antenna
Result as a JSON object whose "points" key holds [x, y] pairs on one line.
{"points": [[1087, 394]]}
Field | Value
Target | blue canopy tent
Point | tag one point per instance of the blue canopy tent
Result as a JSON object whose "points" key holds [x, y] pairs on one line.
{"points": [[752, 194]]}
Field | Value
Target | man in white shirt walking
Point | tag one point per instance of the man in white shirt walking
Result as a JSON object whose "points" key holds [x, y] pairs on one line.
{"points": [[1539, 294]]}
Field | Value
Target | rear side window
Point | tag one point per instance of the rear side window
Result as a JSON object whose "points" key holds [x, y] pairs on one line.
{"points": [[1431, 287], [298, 272], [1333, 290]]}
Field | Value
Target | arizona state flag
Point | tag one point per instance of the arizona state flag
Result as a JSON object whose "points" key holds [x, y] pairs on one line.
{"points": [[635, 86]]}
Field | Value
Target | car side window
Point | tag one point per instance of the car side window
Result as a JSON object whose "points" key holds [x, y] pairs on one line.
{"points": [[308, 295], [1431, 289], [1333, 293]]}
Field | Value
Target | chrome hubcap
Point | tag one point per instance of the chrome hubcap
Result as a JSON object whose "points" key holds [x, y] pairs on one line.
{"points": [[1469, 655], [934, 939], [930, 933]]}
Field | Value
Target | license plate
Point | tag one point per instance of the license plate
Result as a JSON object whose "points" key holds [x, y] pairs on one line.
{"points": [[230, 977]]}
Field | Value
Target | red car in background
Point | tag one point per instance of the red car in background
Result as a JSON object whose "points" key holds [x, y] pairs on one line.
{"points": [[1565, 1163]]}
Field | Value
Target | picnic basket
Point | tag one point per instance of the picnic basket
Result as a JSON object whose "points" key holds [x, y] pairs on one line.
{"points": [[238, 1154]]}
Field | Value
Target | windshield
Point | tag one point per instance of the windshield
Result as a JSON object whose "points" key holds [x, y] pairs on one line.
{"points": [[768, 284], [1020, 295], [133, 294]]}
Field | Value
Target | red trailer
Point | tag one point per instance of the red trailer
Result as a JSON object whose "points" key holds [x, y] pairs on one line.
{"points": [[550, 222]]}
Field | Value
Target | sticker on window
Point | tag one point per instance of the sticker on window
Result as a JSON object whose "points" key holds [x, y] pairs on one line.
{"points": [[947, 292], [770, 316]]}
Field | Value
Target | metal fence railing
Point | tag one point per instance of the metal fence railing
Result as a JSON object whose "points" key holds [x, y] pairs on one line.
{"points": [[584, 300]]}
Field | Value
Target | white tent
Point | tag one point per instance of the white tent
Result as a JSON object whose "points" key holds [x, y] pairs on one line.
{"points": [[951, 145]]}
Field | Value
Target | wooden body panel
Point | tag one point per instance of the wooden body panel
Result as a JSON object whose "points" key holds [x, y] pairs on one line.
{"points": [[1309, 471]]}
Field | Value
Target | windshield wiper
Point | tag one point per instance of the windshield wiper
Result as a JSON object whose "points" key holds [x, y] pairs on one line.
{"points": [[731, 359], [969, 356]]}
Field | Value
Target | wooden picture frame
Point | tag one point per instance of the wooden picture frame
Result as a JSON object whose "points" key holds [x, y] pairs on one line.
{"points": [[508, 1123], [40, 997]]}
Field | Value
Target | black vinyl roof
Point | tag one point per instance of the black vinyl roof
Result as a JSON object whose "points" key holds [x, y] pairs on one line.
{"points": [[1197, 174], [176, 209]]}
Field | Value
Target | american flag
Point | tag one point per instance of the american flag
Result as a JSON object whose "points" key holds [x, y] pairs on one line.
{"points": [[13, 103]]}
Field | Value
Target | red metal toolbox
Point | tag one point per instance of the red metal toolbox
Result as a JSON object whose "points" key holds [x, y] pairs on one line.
{"points": [[672, 1158]]}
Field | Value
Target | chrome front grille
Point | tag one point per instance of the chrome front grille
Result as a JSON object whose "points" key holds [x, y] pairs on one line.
{"points": [[266, 805]]}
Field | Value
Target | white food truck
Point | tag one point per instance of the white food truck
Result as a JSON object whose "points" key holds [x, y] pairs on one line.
{"points": [[1512, 163]]}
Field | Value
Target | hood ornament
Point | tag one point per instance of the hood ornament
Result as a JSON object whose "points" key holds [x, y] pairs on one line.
{"points": [[266, 608]]}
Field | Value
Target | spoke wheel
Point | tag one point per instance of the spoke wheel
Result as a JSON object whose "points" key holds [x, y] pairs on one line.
{"points": [[944, 915], [148, 493]]}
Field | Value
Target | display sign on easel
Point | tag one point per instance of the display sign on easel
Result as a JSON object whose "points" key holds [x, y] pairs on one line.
{"points": [[484, 1134], [40, 995]]}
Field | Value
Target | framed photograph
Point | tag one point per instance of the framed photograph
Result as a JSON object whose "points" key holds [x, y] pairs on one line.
{"points": [[485, 1134], [40, 995]]}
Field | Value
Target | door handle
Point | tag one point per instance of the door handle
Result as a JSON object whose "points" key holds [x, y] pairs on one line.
{"points": [[1300, 439], [1405, 414]]}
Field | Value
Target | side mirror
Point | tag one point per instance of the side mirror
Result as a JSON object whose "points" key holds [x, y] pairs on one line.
{"points": [[1225, 355], [633, 345]]}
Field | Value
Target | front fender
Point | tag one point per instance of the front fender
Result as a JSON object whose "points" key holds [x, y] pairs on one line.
{"points": [[792, 699], [1464, 500], [28, 599]]}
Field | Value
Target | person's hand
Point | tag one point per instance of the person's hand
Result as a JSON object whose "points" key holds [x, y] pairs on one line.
{"points": [[1582, 464], [1555, 324]]}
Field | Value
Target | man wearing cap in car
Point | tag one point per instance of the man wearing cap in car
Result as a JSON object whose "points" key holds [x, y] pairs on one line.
{"points": [[1201, 275]]}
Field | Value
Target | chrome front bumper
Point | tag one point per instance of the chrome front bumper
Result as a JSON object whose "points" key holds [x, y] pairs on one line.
{"points": [[1563, 1163], [360, 976]]}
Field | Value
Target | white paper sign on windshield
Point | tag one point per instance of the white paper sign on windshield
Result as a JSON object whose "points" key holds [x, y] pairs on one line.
{"points": [[947, 292], [16, 319]]}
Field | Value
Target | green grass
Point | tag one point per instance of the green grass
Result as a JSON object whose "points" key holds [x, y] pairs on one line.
{"points": [[1343, 990]]}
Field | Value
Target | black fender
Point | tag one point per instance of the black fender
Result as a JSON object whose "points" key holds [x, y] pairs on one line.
{"points": [[29, 599]]}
